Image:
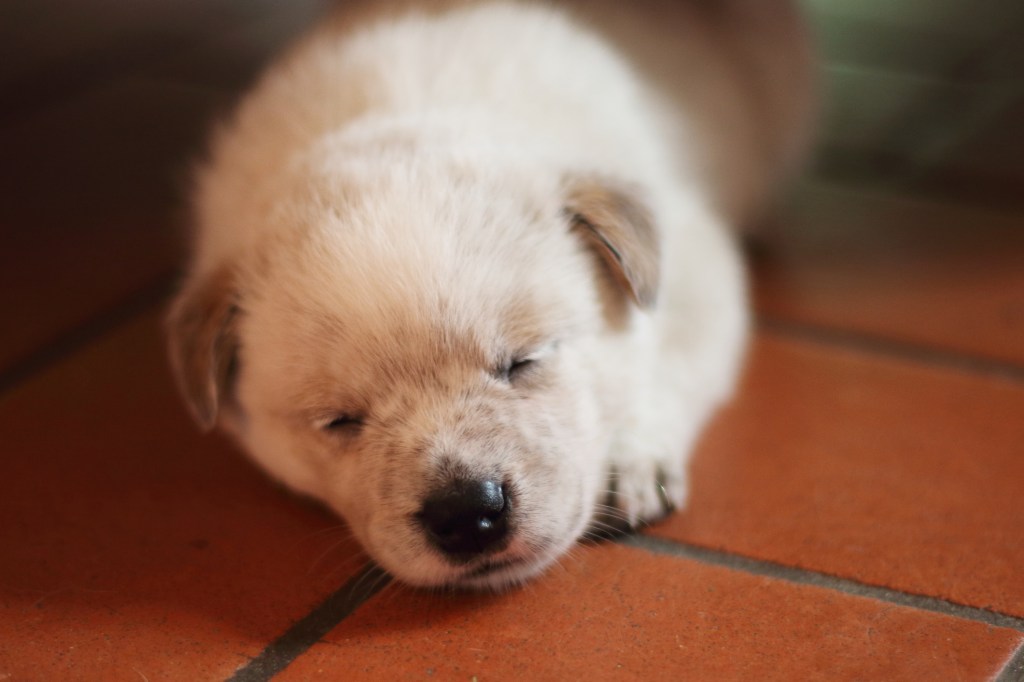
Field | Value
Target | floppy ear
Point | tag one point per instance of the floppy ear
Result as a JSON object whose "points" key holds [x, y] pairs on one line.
{"points": [[620, 228], [203, 340]]}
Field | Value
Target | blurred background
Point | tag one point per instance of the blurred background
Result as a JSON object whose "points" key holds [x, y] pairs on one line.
{"points": [[105, 104], [924, 95]]}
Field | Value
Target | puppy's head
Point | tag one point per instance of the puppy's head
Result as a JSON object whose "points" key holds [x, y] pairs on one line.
{"points": [[424, 348]]}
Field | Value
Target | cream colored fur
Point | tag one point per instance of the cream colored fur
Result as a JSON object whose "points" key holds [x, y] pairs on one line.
{"points": [[384, 222]]}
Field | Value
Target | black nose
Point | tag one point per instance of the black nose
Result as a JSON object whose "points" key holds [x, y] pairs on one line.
{"points": [[467, 518]]}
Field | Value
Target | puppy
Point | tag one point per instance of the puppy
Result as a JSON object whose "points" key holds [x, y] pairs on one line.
{"points": [[462, 269]]}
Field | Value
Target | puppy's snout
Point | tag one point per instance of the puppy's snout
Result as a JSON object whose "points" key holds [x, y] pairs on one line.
{"points": [[467, 518]]}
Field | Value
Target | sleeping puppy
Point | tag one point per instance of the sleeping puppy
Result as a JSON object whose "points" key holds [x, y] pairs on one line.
{"points": [[462, 269]]}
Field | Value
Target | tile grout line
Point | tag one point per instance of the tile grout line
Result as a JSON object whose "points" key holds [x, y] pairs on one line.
{"points": [[1013, 670], [312, 627], [879, 345], [79, 336], [803, 576]]}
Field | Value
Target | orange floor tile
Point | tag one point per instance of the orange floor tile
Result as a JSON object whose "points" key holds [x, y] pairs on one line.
{"points": [[617, 613], [856, 512], [860, 465], [131, 542], [931, 274]]}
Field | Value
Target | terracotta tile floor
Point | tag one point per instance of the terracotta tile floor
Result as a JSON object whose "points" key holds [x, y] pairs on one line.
{"points": [[857, 511]]}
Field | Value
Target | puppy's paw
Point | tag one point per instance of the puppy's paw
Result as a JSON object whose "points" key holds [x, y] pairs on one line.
{"points": [[641, 490]]}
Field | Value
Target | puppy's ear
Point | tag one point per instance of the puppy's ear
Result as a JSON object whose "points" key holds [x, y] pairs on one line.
{"points": [[620, 228], [203, 340]]}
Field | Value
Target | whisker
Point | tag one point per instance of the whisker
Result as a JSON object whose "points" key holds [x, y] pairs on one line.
{"points": [[381, 577], [361, 585], [348, 566], [316, 534], [610, 513], [331, 548], [387, 594]]}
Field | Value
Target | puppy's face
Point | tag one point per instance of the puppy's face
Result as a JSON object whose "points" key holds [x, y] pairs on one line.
{"points": [[423, 349]]}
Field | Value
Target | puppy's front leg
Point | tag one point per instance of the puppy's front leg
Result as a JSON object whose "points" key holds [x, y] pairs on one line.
{"points": [[646, 470]]}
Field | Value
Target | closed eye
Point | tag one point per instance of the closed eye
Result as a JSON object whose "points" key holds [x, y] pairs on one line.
{"points": [[343, 423], [516, 369], [524, 363]]}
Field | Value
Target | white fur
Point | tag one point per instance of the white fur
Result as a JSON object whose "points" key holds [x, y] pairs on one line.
{"points": [[388, 199]]}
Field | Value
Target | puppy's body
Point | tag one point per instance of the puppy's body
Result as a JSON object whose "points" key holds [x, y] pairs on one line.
{"points": [[461, 272]]}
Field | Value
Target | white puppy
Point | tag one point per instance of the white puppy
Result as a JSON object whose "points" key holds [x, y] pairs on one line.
{"points": [[461, 270]]}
